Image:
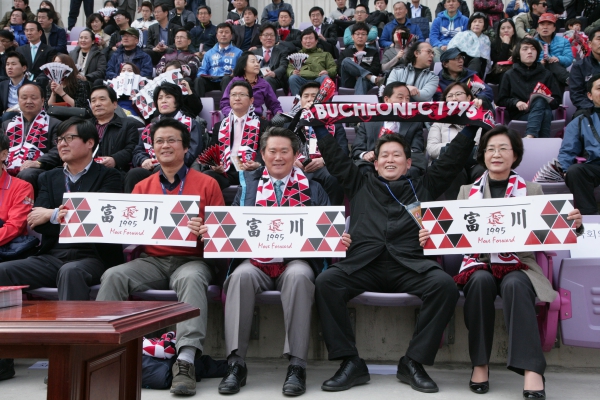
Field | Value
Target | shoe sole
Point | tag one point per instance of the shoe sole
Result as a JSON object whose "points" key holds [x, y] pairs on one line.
{"points": [[361, 380], [183, 391], [408, 381], [227, 391], [288, 393]]}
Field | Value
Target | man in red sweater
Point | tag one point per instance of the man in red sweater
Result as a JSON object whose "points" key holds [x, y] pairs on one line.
{"points": [[180, 268]]}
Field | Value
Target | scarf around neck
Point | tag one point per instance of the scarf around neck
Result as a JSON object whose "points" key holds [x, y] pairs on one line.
{"points": [[26, 145], [249, 144]]}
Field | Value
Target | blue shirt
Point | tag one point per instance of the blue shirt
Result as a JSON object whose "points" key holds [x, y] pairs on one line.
{"points": [[164, 34], [12, 93]]}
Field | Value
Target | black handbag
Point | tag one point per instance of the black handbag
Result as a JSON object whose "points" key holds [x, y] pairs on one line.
{"points": [[19, 247], [63, 113]]}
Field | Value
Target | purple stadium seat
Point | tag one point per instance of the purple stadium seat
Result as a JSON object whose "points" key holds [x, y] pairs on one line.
{"points": [[74, 35], [208, 113], [355, 98], [537, 153], [286, 102], [342, 91], [437, 68], [52, 293], [304, 25]]}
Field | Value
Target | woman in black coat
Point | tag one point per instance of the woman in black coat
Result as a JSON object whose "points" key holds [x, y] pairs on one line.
{"points": [[502, 48], [519, 83], [88, 58]]}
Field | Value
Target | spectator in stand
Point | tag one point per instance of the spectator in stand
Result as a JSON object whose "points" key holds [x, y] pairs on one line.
{"points": [[125, 101], [57, 17], [129, 51], [72, 92], [579, 139], [183, 54], [20, 5], [53, 36], [527, 23], [191, 102], [218, 63], [327, 32], [246, 36], [423, 13], [492, 9], [179, 15], [161, 36], [559, 56], [447, 25], [342, 12], [441, 134], [236, 128], [36, 53], [518, 84], [271, 12], [367, 134], [453, 70], [274, 57], [88, 9], [95, 23], [123, 21], [318, 66], [110, 25], [501, 51], [88, 58], [380, 17], [463, 7], [247, 69], [420, 81], [17, 27], [361, 74], [290, 37], [516, 7], [16, 67], [474, 43], [360, 16], [7, 45], [580, 72], [237, 13], [204, 34], [400, 11], [147, 18], [394, 56]]}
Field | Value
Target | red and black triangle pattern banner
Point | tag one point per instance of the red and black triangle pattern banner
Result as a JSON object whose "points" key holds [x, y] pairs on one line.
{"points": [[443, 221], [181, 214], [76, 226], [331, 225], [560, 229], [226, 225]]}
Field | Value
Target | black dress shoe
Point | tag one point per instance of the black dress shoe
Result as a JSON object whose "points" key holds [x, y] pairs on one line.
{"points": [[535, 394], [412, 373], [480, 387], [351, 373], [295, 381], [7, 368], [233, 379]]}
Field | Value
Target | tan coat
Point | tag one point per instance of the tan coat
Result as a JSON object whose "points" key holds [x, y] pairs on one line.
{"points": [[540, 283]]}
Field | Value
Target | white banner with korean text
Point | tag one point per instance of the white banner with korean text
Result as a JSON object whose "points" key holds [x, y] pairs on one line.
{"points": [[530, 223], [147, 219], [274, 232]]}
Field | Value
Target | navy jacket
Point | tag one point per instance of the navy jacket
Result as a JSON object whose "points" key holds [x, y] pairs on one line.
{"points": [[581, 72], [206, 35], [58, 39], [139, 58]]}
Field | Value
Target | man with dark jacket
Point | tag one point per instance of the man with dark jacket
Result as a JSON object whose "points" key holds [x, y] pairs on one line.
{"points": [[16, 68], [581, 71], [7, 45], [179, 15], [129, 51], [161, 36], [182, 53], [36, 53], [423, 13], [400, 18], [360, 73], [328, 37], [123, 21], [53, 36], [21, 5], [367, 133], [274, 57], [204, 33], [386, 254], [246, 36]]}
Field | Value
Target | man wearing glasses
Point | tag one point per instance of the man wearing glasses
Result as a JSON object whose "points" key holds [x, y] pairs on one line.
{"points": [[360, 73], [72, 268], [360, 15], [182, 269], [527, 23], [274, 57]]}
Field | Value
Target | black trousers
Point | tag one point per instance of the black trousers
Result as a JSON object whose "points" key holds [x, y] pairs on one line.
{"points": [[232, 178], [518, 303], [72, 271], [154, 55], [203, 85], [466, 176], [334, 288], [88, 9], [582, 179], [334, 190]]}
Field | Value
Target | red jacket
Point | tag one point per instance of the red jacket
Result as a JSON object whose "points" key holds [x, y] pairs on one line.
{"points": [[16, 200]]}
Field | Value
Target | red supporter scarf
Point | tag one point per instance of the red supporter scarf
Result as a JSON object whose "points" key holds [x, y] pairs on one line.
{"points": [[499, 264], [296, 194], [27, 146], [147, 140], [249, 144]]}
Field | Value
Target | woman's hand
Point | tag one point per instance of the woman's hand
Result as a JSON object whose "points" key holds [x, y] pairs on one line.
{"points": [[81, 77], [505, 39], [576, 216], [58, 89], [477, 103], [187, 85], [423, 237], [148, 164]]}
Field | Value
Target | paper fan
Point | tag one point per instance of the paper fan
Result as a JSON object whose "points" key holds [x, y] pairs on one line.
{"points": [[107, 11], [56, 72], [358, 56], [297, 60], [476, 87], [211, 156]]}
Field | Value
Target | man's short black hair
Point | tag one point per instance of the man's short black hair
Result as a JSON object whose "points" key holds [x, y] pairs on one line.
{"points": [[175, 124], [187, 33], [37, 24], [590, 83], [242, 84], [223, 25], [49, 13], [124, 14], [251, 9], [163, 7], [309, 31], [86, 129], [280, 132], [6, 34], [147, 4], [388, 91], [319, 9], [515, 142], [375, 2], [308, 85], [534, 2], [27, 83], [363, 6], [516, 54], [23, 14], [4, 142], [204, 7], [287, 12], [573, 21], [359, 26], [14, 54], [593, 32], [112, 95], [392, 138], [265, 26]]}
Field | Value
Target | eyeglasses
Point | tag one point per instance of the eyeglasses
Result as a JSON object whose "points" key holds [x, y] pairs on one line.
{"points": [[501, 150], [458, 58], [171, 141], [238, 95], [67, 139], [426, 51], [543, 4], [359, 34], [360, 12], [267, 36], [455, 95]]}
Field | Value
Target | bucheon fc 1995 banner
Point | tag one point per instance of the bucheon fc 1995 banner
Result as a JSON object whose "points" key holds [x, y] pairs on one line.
{"points": [[129, 219], [274, 232], [529, 223]]}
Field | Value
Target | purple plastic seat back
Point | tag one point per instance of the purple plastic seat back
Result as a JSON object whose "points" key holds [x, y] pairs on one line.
{"points": [[286, 103]]}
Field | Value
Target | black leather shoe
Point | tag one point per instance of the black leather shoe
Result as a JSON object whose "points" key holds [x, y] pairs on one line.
{"points": [[480, 387], [535, 394], [234, 379], [351, 373], [413, 373], [7, 368], [295, 381]]}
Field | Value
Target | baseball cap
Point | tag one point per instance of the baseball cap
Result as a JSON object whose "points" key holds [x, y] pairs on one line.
{"points": [[547, 17], [451, 54], [131, 31]]}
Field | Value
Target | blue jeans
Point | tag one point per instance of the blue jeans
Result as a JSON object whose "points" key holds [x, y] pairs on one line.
{"points": [[296, 82], [353, 75], [538, 119]]}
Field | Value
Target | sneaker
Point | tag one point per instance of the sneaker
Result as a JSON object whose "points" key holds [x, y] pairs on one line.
{"points": [[7, 368], [184, 378]]}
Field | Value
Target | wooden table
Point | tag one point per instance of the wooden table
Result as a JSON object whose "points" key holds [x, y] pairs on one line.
{"points": [[94, 348]]}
